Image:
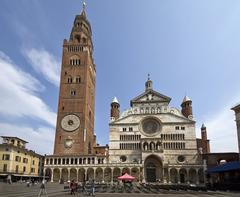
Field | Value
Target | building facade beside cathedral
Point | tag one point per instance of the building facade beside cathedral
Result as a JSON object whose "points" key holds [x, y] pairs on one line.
{"points": [[152, 141]]}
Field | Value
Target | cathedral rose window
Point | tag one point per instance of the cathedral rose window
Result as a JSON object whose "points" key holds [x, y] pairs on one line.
{"points": [[151, 126]]}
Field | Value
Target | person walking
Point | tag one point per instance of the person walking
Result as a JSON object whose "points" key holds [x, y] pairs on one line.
{"points": [[93, 188], [72, 187], [43, 189]]}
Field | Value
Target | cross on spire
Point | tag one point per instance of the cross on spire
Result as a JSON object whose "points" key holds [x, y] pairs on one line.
{"points": [[84, 5]]}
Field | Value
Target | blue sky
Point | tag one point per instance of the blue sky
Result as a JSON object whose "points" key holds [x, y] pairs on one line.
{"points": [[188, 47]]}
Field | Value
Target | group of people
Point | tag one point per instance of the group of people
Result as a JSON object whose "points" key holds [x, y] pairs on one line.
{"points": [[30, 182], [74, 186]]}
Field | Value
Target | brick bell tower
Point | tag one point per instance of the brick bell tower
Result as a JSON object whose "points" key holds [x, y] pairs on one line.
{"points": [[75, 117]]}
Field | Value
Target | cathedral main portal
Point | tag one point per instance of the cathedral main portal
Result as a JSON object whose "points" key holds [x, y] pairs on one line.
{"points": [[153, 169]]}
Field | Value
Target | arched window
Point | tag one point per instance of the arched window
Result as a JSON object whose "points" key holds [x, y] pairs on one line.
{"points": [[78, 79], [153, 110], [77, 38], [145, 146], [73, 92], [69, 79], [158, 145], [146, 110], [75, 60], [152, 146]]}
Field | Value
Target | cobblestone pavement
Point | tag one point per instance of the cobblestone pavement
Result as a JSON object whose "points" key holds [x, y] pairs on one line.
{"points": [[21, 190]]}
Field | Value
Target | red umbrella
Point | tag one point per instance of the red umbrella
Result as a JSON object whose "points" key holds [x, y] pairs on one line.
{"points": [[126, 177]]}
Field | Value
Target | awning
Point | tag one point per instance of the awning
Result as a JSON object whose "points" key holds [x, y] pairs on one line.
{"points": [[229, 166], [126, 177]]}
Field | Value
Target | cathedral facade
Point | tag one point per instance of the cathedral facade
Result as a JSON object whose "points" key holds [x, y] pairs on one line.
{"points": [[160, 138], [151, 141]]}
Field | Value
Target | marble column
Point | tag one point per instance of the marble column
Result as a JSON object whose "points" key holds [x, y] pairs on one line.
{"points": [[69, 174], [178, 176], [77, 174], [60, 169], [51, 174]]}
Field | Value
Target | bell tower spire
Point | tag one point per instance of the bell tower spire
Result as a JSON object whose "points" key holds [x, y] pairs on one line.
{"points": [[75, 117]]}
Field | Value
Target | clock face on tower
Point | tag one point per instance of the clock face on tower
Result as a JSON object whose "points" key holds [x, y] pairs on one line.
{"points": [[70, 122]]}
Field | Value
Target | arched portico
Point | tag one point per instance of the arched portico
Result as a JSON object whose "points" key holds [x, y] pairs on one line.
{"points": [[48, 173], [81, 175], [183, 175], [90, 174], [73, 174], [56, 174], [125, 170], [107, 175], [99, 175], [116, 173], [135, 173], [65, 174], [153, 169], [173, 175]]}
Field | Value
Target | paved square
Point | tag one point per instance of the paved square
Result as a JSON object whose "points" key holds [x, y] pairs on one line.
{"points": [[54, 189]]}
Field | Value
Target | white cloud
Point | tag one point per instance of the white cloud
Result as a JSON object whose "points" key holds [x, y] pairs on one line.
{"points": [[40, 139], [18, 93], [222, 130], [44, 63]]}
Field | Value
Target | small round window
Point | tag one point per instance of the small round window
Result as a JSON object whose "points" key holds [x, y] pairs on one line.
{"points": [[123, 158], [181, 158]]}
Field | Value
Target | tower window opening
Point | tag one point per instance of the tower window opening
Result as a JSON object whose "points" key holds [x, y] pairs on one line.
{"points": [[69, 79], [78, 79], [77, 37], [73, 92]]}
